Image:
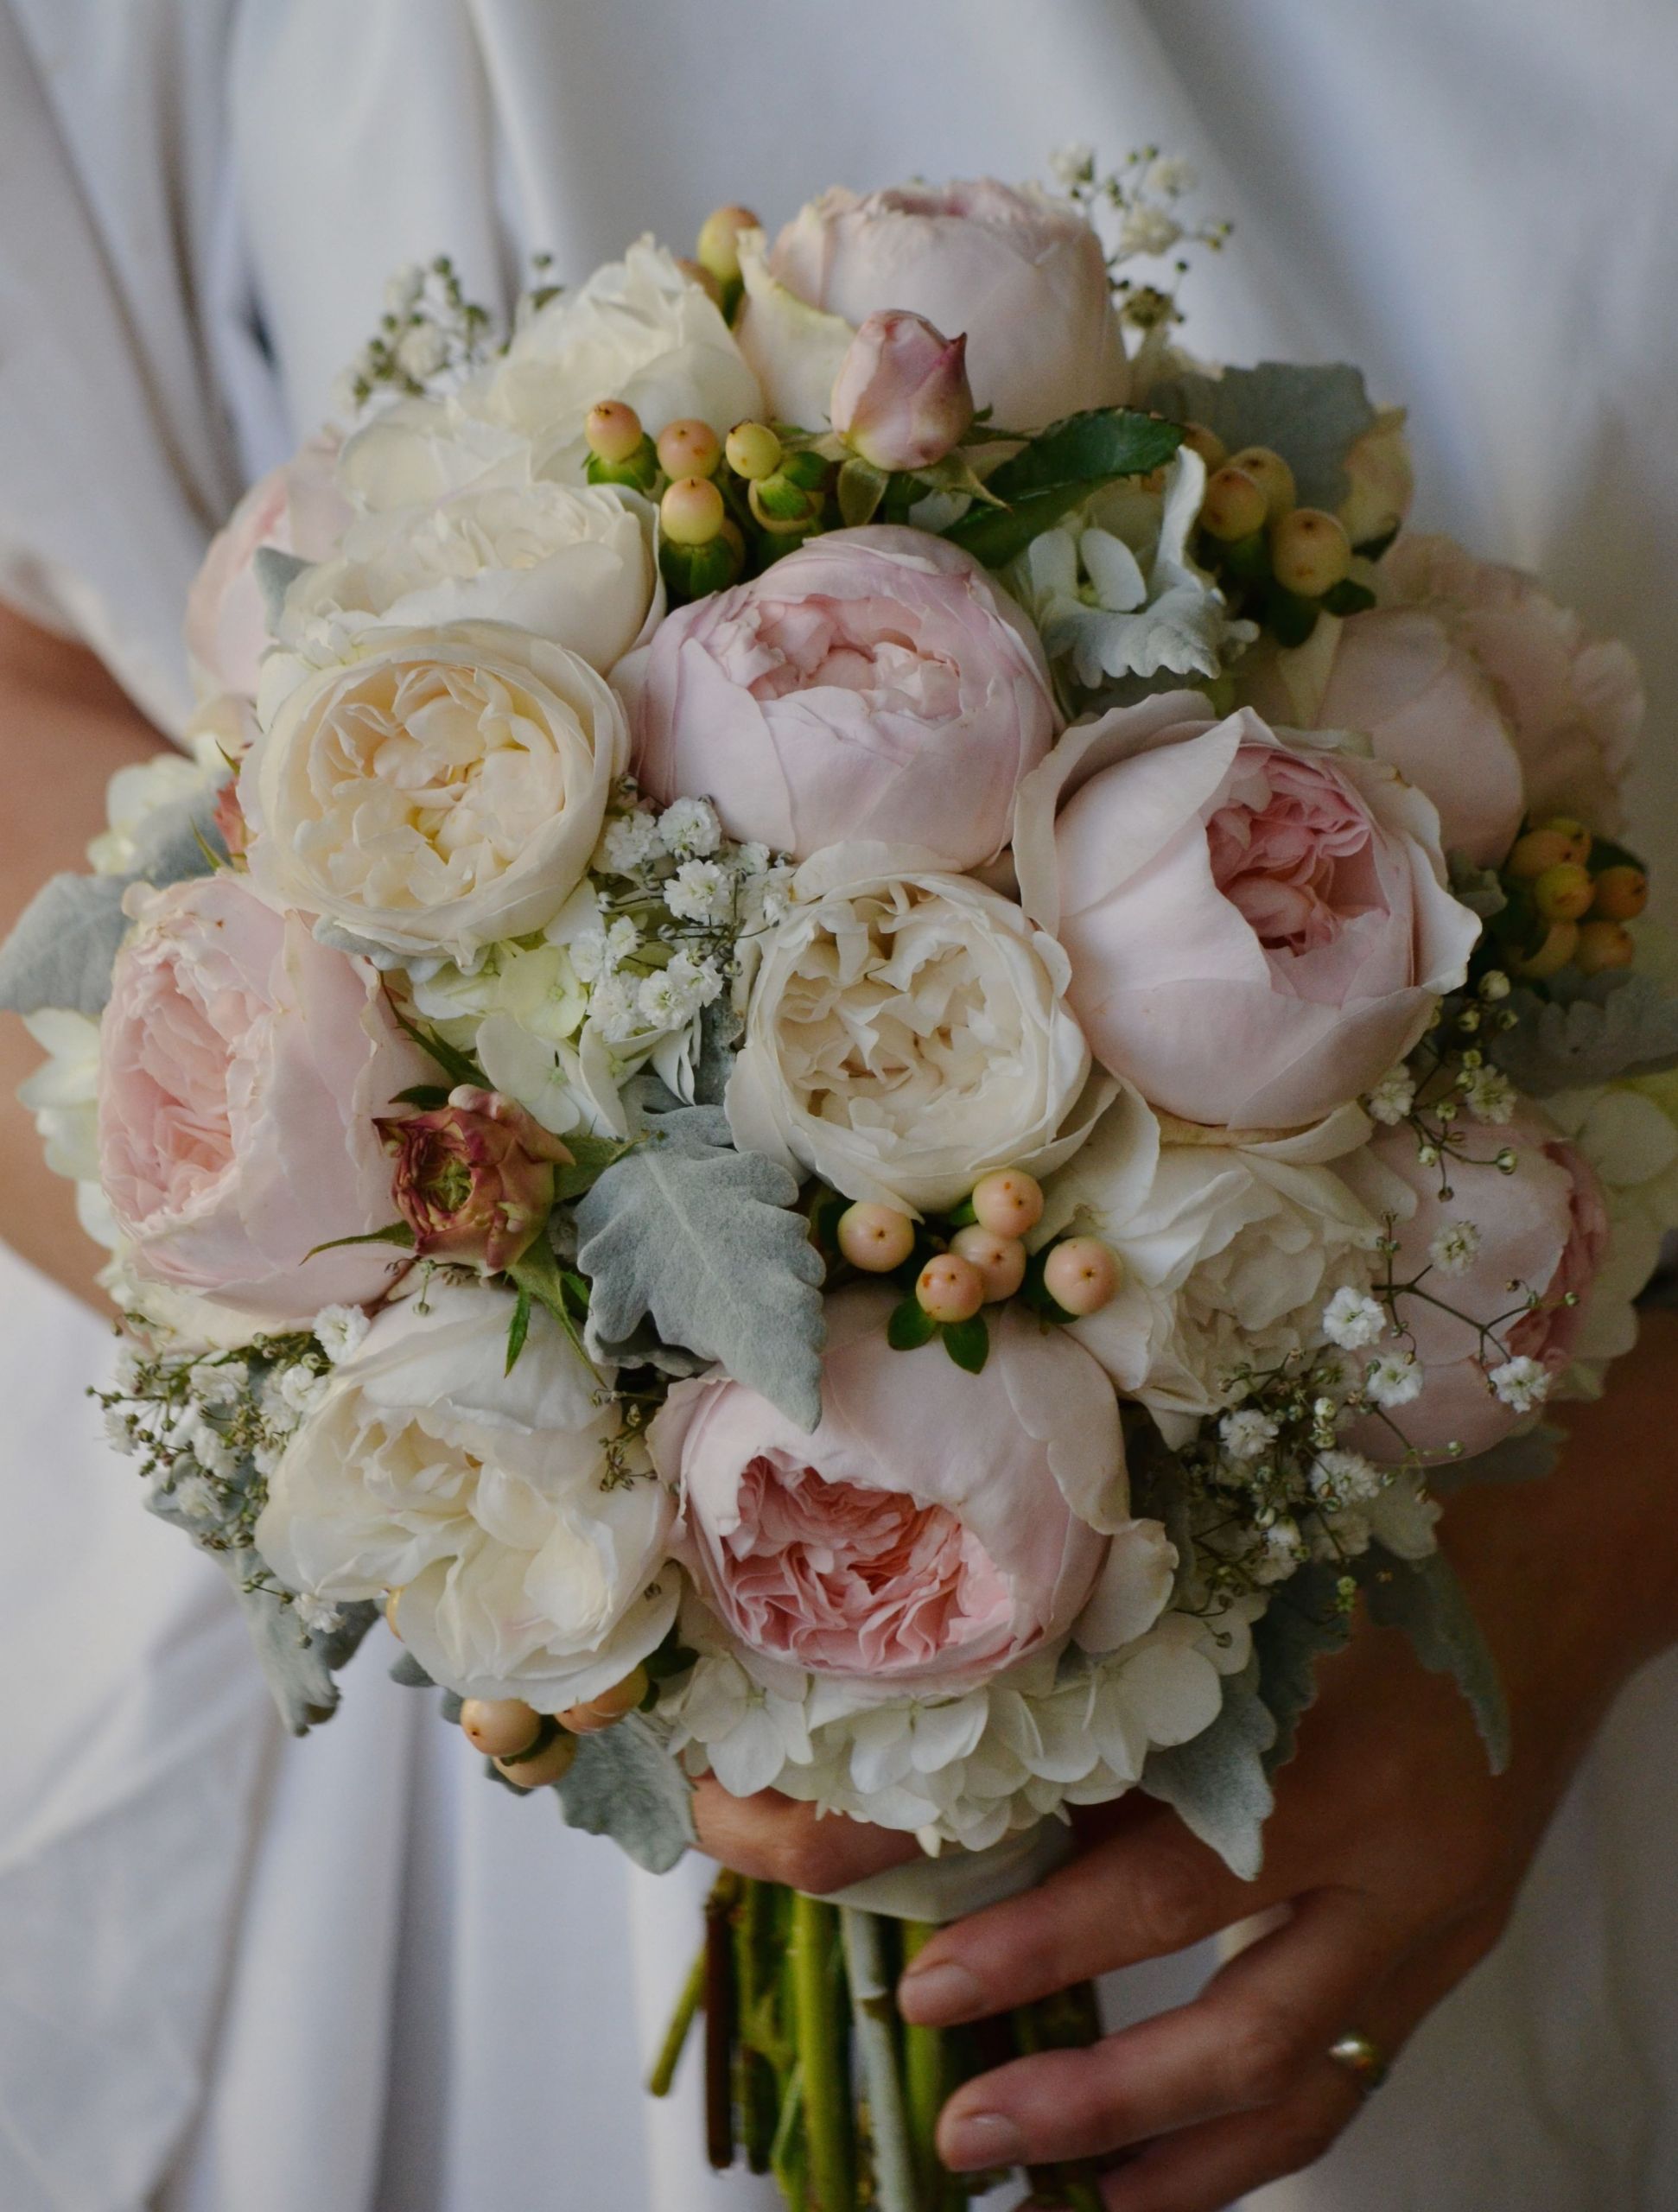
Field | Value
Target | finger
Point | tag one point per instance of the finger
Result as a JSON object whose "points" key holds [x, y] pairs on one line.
{"points": [[1151, 1888], [1207, 2167], [1258, 2028], [772, 1839]]}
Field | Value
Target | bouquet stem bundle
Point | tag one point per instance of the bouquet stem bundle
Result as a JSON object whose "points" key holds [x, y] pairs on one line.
{"points": [[810, 2072]]}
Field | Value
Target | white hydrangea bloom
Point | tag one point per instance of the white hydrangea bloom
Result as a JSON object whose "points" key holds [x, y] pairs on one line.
{"points": [[1352, 1318]]}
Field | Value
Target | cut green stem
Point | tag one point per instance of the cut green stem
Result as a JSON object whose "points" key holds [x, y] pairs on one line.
{"points": [[662, 2076], [821, 2040]]}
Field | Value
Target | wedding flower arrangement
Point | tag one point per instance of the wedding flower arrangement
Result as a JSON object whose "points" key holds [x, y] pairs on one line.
{"points": [[868, 1035]]}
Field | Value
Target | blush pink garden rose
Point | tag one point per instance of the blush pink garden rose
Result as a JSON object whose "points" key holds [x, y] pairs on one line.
{"points": [[874, 684], [901, 399], [872, 1552], [242, 1065], [1021, 274], [1573, 701], [296, 508], [1543, 1229], [1257, 931], [1401, 678]]}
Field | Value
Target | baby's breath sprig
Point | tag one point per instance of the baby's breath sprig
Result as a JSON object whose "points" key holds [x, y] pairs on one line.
{"points": [[429, 337], [1449, 1091], [1139, 210]]}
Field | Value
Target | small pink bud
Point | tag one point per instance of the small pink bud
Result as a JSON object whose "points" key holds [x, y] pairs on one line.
{"points": [[875, 1239], [1000, 1260], [229, 818], [1082, 1274], [901, 399], [1009, 1202], [475, 1179], [949, 1288]]}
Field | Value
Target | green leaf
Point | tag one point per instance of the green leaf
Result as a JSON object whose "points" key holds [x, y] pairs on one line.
{"points": [[1425, 1598], [910, 1326], [536, 1274], [1290, 619], [707, 1241], [1348, 597], [1216, 1780], [1303, 1625], [624, 1783], [518, 1328], [1309, 413], [590, 1158], [861, 487], [397, 1233], [1587, 1031], [1057, 471], [407, 1671], [428, 1095], [460, 1067], [968, 1343]]}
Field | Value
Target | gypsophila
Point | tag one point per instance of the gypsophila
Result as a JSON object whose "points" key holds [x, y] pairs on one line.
{"points": [[1521, 1383], [1393, 1378], [1352, 1318], [1393, 1097], [689, 830], [1490, 1095], [1246, 1433], [1454, 1247], [700, 891], [1347, 1478], [628, 843], [338, 1331]]}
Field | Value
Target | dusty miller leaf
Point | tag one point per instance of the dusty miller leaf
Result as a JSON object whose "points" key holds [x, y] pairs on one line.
{"points": [[1425, 1598], [703, 1238], [407, 1671], [1480, 889], [275, 573], [299, 1667], [720, 1031], [1302, 1626], [1590, 1030], [1217, 1782], [66, 941], [1309, 413], [626, 1784]]}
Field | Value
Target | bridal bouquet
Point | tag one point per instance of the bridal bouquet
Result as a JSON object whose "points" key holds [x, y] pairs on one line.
{"points": [[866, 1035]]}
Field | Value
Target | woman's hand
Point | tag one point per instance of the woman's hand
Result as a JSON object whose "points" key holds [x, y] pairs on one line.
{"points": [[1392, 1860]]}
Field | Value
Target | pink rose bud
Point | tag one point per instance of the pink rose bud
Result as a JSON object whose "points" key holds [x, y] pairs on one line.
{"points": [[901, 399], [229, 818], [475, 1179]]}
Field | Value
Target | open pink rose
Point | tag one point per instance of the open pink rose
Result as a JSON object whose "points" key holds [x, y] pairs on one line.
{"points": [[1479, 1256], [1573, 701], [1400, 676], [874, 684], [1021, 274], [241, 1066], [878, 1551], [296, 508], [475, 1179], [1257, 931], [901, 399]]}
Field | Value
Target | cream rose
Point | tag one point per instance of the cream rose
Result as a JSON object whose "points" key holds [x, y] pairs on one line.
{"points": [[906, 1031], [1229, 1251], [638, 329], [571, 564], [442, 791], [482, 1495]]}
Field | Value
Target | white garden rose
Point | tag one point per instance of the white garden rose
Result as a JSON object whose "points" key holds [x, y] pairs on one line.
{"points": [[442, 790], [906, 1031], [1230, 1250], [531, 1563], [639, 330], [573, 564]]}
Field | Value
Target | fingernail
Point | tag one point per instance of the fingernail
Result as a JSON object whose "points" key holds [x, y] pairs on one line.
{"points": [[933, 1994], [975, 2140]]}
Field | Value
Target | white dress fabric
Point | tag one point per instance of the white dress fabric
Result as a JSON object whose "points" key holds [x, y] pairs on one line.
{"points": [[242, 1975]]}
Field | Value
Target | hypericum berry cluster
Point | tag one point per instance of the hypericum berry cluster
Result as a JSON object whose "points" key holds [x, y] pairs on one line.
{"points": [[430, 336], [1277, 562], [956, 1265], [675, 899], [1568, 896], [723, 506], [1270, 1485], [1140, 206]]}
